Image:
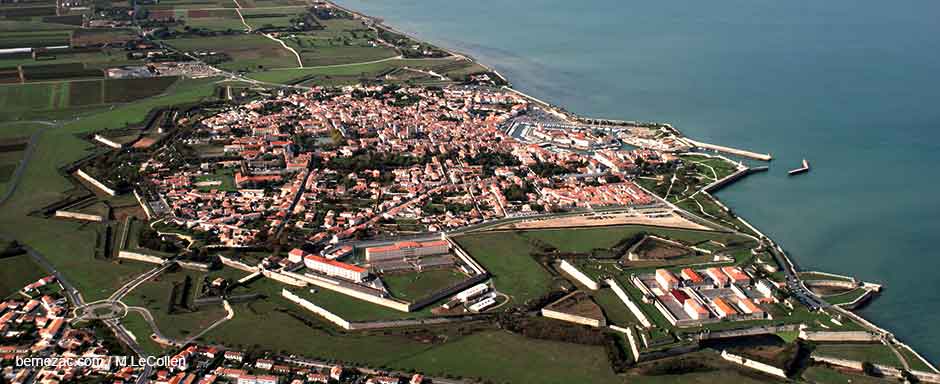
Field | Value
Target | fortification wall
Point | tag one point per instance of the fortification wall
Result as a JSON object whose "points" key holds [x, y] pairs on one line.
{"points": [[855, 336], [192, 265], [108, 142], [635, 309], [630, 339], [129, 255], [143, 204], [552, 314], [762, 330], [78, 216], [434, 297], [338, 287], [91, 180], [238, 265], [572, 271], [753, 364], [322, 312], [284, 278]]}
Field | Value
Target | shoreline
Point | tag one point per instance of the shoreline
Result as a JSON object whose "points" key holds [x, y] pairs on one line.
{"points": [[788, 263]]}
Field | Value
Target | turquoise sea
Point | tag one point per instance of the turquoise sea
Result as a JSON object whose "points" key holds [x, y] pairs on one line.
{"points": [[851, 85]]}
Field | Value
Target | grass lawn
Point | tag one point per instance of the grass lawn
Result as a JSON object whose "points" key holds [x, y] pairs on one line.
{"points": [[915, 362], [506, 256], [722, 167], [344, 306], [247, 52], [586, 239], [495, 355], [135, 323], [17, 272], [873, 353], [224, 176], [416, 285], [846, 297], [615, 310]]}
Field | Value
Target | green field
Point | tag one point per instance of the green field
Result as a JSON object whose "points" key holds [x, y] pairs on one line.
{"points": [[506, 256], [214, 20], [872, 353], [615, 310], [24, 39], [348, 308], [74, 96], [248, 52], [154, 294], [352, 73], [221, 175], [586, 239], [190, 4], [135, 323], [722, 168], [271, 17], [17, 272], [104, 58], [496, 355], [846, 297], [916, 363], [416, 285]]}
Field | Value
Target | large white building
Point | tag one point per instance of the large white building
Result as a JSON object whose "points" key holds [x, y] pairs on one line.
{"points": [[667, 280], [405, 249], [331, 267], [694, 309]]}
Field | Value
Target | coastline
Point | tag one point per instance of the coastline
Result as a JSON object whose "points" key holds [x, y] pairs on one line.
{"points": [[788, 263]]}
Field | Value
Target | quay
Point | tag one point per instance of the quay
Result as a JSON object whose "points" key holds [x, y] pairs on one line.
{"points": [[804, 168], [733, 151]]}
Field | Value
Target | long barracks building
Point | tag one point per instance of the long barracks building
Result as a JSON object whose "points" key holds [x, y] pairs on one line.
{"points": [[406, 249], [331, 267]]}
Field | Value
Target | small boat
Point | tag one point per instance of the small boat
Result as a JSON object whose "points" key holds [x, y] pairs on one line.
{"points": [[804, 168]]}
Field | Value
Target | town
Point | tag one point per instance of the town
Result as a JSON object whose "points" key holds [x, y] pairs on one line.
{"points": [[291, 192]]}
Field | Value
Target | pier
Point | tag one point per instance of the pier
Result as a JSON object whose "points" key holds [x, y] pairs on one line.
{"points": [[803, 169], [729, 150]]}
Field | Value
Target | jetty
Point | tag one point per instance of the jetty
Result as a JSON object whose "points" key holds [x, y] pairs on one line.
{"points": [[729, 150], [803, 169]]}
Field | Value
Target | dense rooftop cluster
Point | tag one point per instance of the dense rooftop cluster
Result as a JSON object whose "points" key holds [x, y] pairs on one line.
{"points": [[331, 164]]}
